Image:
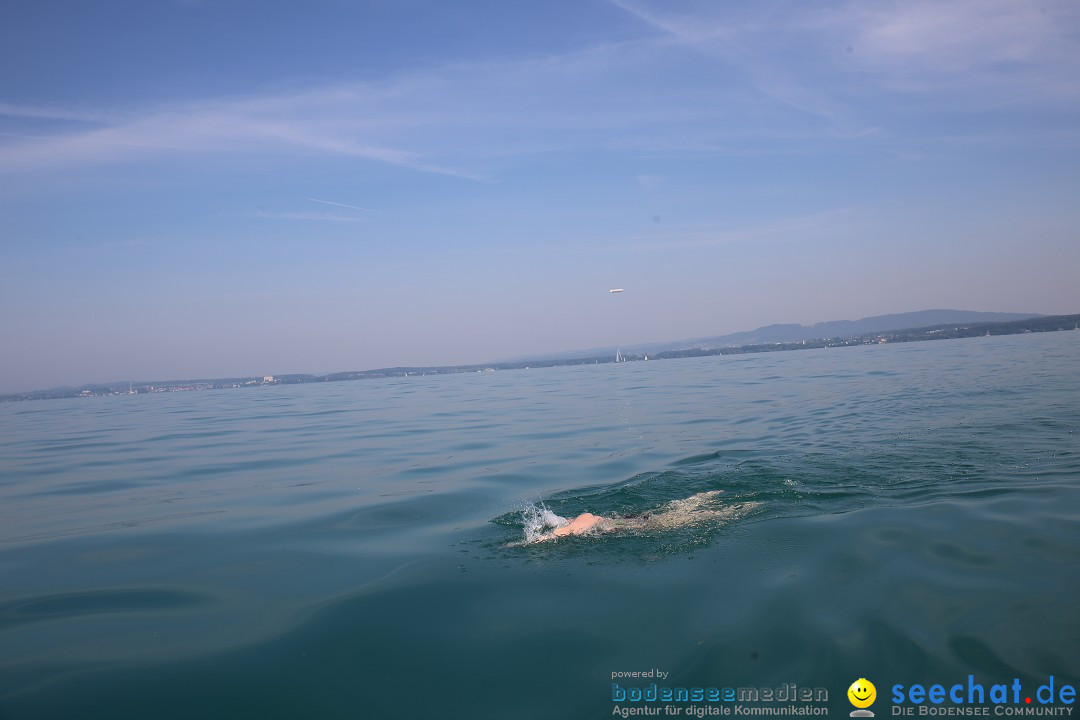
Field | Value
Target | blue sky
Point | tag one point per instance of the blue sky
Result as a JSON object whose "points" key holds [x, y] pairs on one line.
{"points": [[205, 188]]}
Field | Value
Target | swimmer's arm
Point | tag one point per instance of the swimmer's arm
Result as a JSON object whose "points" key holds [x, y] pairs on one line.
{"points": [[581, 524], [578, 526]]}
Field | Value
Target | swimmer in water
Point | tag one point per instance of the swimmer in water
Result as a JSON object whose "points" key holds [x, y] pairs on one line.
{"points": [[675, 514]]}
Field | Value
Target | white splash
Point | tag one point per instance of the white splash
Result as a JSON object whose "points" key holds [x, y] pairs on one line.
{"points": [[537, 519]]}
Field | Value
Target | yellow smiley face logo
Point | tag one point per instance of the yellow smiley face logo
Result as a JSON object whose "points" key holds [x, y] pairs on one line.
{"points": [[862, 693]]}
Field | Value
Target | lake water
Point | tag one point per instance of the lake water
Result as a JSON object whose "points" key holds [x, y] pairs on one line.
{"points": [[341, 550]]}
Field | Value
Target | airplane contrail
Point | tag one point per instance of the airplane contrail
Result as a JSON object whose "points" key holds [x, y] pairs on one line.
{"points": [[354, 207]]}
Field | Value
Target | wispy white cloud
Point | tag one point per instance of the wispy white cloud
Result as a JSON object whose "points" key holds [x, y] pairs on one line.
{"points": [[317, 217], [996, 50], [749, 47], [51, 113], [270, 124], [344, 205], [777, 80], [829, 60], [458, 119], [961, 35], [692, 27]]}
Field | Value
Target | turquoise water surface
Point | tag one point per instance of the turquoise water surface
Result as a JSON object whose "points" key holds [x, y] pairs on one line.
{"points": [[341, 550]]}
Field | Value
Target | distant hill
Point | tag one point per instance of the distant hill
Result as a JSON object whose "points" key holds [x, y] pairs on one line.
{"points": [[793, 333], [844, 333], [847, 328]]}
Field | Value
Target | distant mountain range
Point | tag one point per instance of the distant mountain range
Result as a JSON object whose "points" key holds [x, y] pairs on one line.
{"points": [[902, 327], [784, 333]]}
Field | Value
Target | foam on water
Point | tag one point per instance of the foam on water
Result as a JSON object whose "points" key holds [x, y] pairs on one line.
{"points": [[537, 519]]}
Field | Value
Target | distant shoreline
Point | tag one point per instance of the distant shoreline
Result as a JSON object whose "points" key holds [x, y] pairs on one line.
{"points": [[1044, 323]]}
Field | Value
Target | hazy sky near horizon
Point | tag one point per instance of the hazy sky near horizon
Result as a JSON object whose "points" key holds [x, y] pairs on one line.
{"points": [[206, 188]]}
